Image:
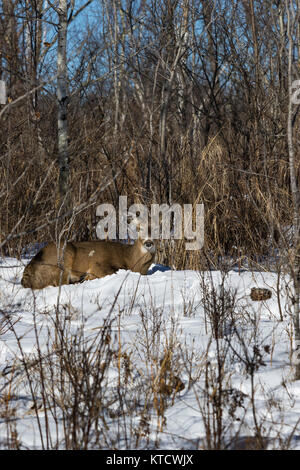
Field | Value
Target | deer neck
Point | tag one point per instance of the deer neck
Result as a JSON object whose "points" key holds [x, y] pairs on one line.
{"points": [[140, 258]]}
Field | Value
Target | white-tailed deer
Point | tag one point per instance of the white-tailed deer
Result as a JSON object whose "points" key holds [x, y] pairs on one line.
{"points": [[84, 261]]}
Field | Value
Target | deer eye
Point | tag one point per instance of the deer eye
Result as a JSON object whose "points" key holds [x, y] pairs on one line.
{"points": [[148, 243]]}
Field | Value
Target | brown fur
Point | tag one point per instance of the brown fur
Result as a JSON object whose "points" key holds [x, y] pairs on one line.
{"points": [[85, 261]]}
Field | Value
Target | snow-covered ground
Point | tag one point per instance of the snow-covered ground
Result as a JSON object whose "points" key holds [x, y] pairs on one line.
{"points": [[163, 311]]}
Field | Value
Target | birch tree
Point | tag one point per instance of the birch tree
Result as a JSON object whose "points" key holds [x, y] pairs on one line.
{"points": [[292, 10], [62, 99]]}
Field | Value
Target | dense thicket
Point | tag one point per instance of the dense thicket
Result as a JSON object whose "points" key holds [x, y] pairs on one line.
{"points": [[169, 101]]}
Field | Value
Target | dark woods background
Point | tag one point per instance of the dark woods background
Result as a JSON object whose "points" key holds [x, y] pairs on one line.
{"points": [[177, 101]]}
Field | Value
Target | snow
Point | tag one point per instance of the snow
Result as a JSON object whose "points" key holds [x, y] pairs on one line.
{"points": [[165, 307]]}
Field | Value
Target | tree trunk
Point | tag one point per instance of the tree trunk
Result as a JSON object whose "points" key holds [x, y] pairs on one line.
{"points": [[62, 99], [293, 18]]}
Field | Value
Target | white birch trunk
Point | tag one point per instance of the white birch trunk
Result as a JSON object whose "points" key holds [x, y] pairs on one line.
{"points": [[293, 19], [62, 99]]}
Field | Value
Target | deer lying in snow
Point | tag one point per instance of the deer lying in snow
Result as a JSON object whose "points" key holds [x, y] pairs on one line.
{"points": [[84, 261]]}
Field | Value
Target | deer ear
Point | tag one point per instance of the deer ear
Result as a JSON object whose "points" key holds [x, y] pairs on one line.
{"points": [[133, 221], [138, 221], [133, 226]]}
